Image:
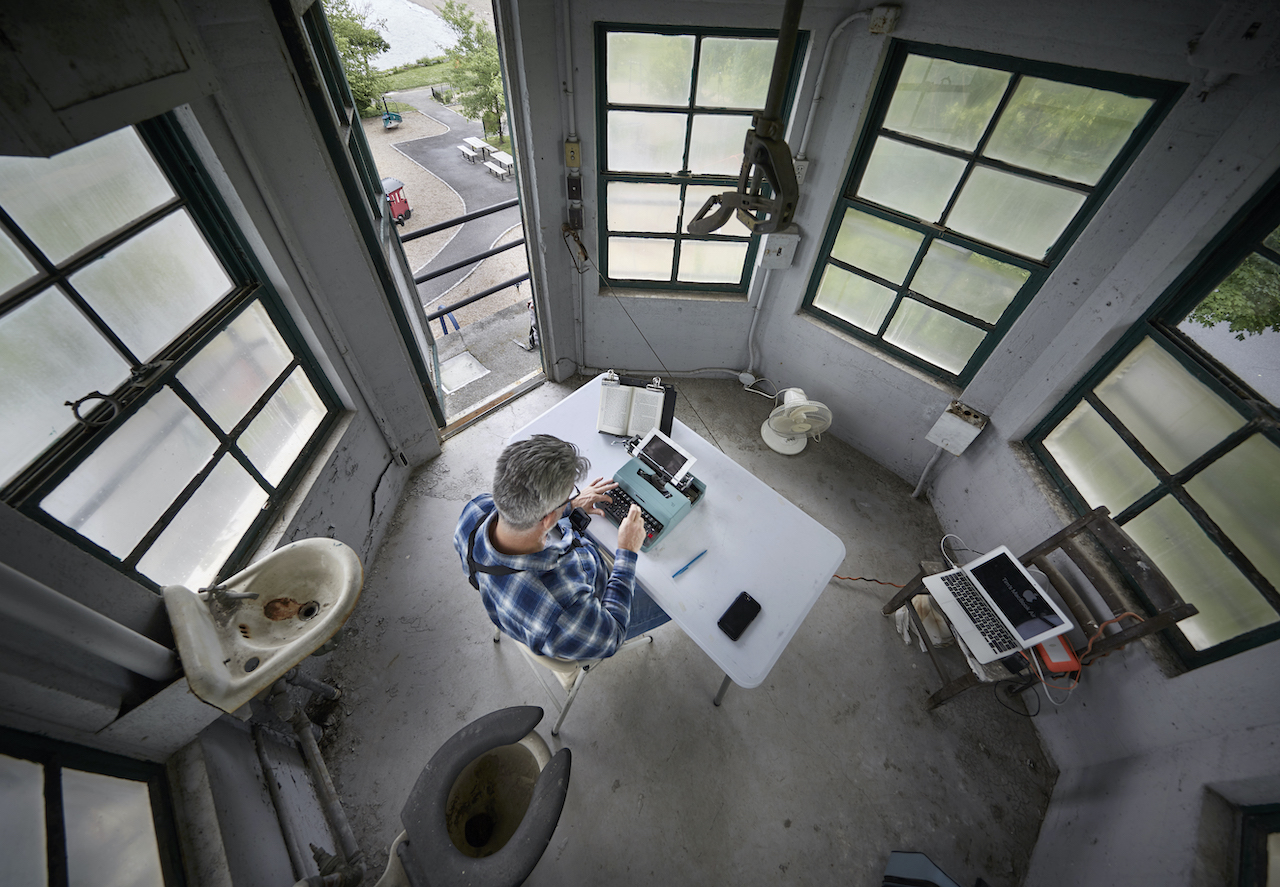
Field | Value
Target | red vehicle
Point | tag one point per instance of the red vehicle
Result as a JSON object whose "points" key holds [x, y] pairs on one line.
{"points": [[394, 189]]}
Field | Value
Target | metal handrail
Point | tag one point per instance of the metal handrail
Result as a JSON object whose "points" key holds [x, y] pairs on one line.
{"points": [[478, 257], [478, 214], [476, 297]]}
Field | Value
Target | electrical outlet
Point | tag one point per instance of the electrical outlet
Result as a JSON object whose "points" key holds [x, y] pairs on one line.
{"points": [[575, 218], [802, 168], [573, 154], [573, 185]]}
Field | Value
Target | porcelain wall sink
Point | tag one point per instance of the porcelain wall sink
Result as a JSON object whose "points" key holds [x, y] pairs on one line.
{"points": [[233, 647]]}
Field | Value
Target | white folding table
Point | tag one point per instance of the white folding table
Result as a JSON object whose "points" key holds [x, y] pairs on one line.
{"points": [[756, 541]]}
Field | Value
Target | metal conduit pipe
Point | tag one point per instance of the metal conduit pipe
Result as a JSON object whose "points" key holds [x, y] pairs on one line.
{"points": [[319, 688], [283, 815], [822, 70], [39, 606]]}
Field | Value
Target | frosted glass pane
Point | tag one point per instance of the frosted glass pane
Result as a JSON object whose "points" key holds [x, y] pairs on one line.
{"points": [[734, 73], [649, 69], [643, 142], [111, 836], [153, 286], [24, 859], [1236, 323], [1273, 860], [928, 333], [977, 285], [704, 261], [637, 258], [230, 373], [636, 206], [883, 248], [696, 195], [1229, 605], [1018, 214], [716, 144], [198, 542], [862, 302], [49, 354], [1064, 130], [909, 178], [1174, 415], [15, 267], [66, 202], [944, 102], [1098, 461], [124, 486], [1241, 493], [275, 438]]}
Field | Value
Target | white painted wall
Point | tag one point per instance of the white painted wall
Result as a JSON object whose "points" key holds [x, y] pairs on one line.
{"points": [[1136, 749]]}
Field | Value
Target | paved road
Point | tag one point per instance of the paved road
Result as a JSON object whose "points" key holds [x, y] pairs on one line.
{"points": [[473, 182]]}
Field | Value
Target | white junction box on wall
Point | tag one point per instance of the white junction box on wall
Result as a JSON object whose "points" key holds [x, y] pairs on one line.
{"points": [[778, 250], [956, 428]]}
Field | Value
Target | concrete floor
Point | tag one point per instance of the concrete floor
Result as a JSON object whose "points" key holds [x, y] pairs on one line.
{"points": [[811, 778]]}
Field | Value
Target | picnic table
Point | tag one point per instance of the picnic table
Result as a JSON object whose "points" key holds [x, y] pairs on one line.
{"points": [[503, 159], [480, 146]]}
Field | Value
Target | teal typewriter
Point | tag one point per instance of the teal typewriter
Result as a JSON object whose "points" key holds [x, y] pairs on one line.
{"points": [[657, 479]]}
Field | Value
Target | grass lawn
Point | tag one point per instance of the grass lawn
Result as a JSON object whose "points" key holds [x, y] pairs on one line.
{"points": [[424, 75]]}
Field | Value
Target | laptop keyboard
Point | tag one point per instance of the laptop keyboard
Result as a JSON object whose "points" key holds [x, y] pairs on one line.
{"points": [[980, 612], [618, 508]]}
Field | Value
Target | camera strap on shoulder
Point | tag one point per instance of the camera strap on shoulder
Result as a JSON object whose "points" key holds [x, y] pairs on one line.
{"points": [[474, 566]]}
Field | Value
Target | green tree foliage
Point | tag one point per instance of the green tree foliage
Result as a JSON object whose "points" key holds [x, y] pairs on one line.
{"points": [[358, 42], [1248, 300], [476, 75]]}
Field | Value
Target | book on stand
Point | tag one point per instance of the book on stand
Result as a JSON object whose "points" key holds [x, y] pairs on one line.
{"points": [[630, 407]]}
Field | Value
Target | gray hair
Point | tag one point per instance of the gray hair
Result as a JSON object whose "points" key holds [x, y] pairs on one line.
{"points": [[533, 477]]}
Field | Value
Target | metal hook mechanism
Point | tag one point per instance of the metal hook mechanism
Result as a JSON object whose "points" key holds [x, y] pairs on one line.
{"points": [[98, 421]]}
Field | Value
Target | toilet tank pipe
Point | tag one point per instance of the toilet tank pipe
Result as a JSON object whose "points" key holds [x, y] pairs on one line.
{"points": [[39, 606]]}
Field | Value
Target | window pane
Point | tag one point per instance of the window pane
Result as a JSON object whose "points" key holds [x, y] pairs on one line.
{"points": [[851, 297], [911, 179], [696, 195], [1229, 605], [716, 144], [1174, 415], [24, 859], [116, 494], [703, 261], [1063, 130], [649, 69], [1098, 461], [230, 373], [111, 835], [275, 438], [1237, 323], [872, 244], [1014, 213], [928, 333], [202, 536], [153, 286], [637, 258], [640, 142], [975, 284], [734, 73], [636, 206], [66, 202], [49, 354], [1241, 493], [945, 102], [15, 267]]}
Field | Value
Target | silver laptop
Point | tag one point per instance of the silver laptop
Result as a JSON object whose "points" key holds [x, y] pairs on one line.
{"points": [[996, 607]]}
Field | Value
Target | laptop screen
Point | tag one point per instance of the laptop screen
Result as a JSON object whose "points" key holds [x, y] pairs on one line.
{"points": [[1018, 597]]}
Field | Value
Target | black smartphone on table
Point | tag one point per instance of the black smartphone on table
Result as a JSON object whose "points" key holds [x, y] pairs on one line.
{"points": [[739, 615]]}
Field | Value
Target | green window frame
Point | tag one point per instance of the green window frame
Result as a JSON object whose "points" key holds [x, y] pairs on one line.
{"points": [[674, 107], [1177, 433], [181, 437], [970, 182], [76, 815]]}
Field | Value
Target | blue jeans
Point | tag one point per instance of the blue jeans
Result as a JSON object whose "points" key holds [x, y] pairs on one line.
{"points": [[645, 615]]}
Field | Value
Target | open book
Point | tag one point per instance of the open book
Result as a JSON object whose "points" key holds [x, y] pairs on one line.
{"points": [[630, 407]]}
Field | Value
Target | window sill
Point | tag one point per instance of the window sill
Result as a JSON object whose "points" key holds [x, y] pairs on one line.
{"points": [[951, 390], [629, 292]]}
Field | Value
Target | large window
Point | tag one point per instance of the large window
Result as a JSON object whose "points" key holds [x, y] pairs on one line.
{"points": [[675, 107], [1178, 435], [973, 177], [155, 404]]}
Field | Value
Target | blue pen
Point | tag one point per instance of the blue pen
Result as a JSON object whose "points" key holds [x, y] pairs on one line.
{"points": [[688, 565]]}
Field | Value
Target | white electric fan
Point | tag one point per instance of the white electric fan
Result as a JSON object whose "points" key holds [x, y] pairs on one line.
{"points": [[794, 421]]}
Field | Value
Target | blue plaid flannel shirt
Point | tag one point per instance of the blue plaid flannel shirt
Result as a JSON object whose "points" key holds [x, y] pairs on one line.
{"points": [[561, 604]]}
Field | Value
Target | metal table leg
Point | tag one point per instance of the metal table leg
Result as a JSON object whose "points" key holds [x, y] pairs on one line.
{"points": [[724, 688]]}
